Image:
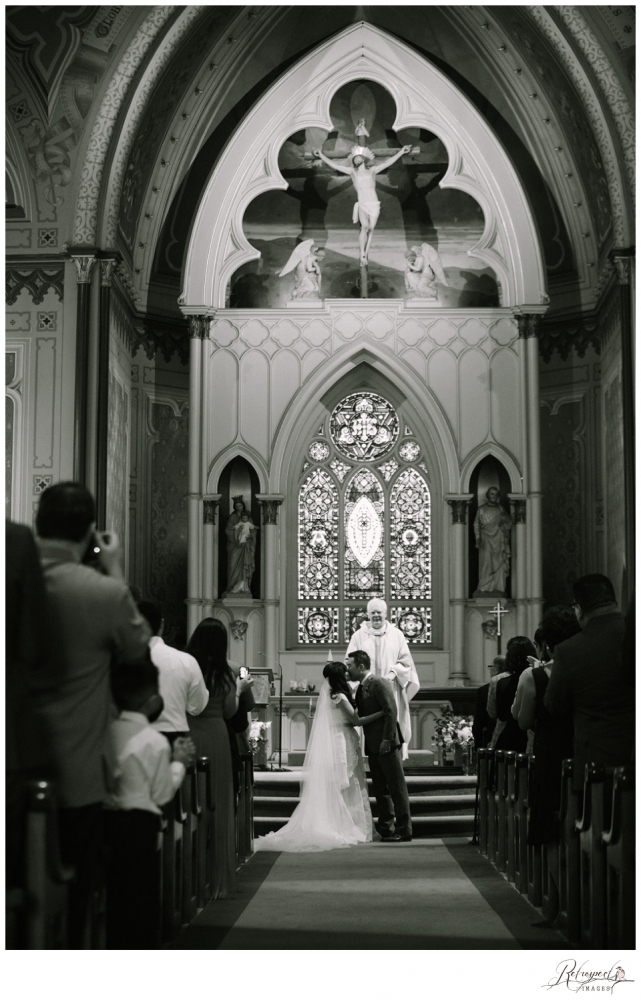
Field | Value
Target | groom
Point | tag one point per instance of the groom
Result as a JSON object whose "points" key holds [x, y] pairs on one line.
{"points": [[383, 742]]}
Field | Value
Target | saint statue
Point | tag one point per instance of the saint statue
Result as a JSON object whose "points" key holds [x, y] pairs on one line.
{"points": [[492, 526], [241, 549], [422, 271], [363, 174], [305, 259]]}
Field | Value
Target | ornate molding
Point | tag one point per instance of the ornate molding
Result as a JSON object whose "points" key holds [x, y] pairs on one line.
{"points": [[459, 502], [86, 217], [528, 324], [159, 335], [565, 335], [238, 628], [84, 266], [583, 37], [270, 502], [199, 327], [37, 281], [623, 263], [107, 266], [210, 506], [519, 508]]}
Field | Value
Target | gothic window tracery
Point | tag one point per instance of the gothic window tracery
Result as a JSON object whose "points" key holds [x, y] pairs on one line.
{"points": [[364, 529]]}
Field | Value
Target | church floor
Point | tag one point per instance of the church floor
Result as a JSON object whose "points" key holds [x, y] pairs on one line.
{"points": [[428, 894]]}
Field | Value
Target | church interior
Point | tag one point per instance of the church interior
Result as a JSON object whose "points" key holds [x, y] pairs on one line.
{"points": [[281, 422]]}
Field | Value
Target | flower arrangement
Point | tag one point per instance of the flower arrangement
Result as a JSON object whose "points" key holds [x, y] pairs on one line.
{"points": [[453, 731], [301, 687], [257, 736]]}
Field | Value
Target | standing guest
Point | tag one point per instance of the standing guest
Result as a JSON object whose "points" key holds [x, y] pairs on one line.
{"points": [[182, 686], [238, 731], [552, 744], [499, 663], [589, 680], [208, 645], [483, 725], [96, 619], [148, 772], [516, 661]]}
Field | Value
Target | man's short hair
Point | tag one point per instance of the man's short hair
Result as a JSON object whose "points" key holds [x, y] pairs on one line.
{"points": [[153, 613], [361, 658], [593, 591], [133, 683], [66, 511], [499, 661], [557, 625]]}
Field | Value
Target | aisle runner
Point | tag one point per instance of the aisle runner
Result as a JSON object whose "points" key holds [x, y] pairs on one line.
{"points": [[383, 896]]}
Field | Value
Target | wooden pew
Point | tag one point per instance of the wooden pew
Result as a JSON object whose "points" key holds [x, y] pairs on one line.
{"points": [[491, 808], [191, 807], [569, 918], [510, 810], [501, 809], [241, 815], [619, 856], [47, 879], [592, 859], [483, 758], [206, 831], [534, 873], [521, 778]]}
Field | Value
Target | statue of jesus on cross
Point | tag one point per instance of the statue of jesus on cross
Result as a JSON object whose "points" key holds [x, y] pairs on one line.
{"points": [[367, 207]]}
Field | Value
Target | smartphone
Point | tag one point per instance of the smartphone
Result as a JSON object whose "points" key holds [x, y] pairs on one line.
{"points": [[244, 672], [92, 553]]}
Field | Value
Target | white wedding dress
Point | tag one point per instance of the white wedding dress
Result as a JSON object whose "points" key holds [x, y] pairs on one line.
{"points": [[334, 808]]}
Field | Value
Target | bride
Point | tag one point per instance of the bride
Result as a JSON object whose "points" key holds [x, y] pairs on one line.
{"points": [[334, 806]]}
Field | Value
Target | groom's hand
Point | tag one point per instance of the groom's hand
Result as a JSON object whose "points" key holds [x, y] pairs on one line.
{"points": [[385, 747]]}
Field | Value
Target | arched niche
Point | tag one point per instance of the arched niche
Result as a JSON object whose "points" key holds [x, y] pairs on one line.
{"points": [[238, 478], [487, 473], [318, 204], [425, 99]]}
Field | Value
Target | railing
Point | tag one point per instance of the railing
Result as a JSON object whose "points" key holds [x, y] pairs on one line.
{"points": [[37, 913], [595, 849]]}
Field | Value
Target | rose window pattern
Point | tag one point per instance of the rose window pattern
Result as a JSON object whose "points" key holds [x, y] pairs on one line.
{"points": [[363, 530], [364, 427]]}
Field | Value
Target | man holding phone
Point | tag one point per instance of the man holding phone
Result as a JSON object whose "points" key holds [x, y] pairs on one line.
{"points": [[383, 744]]}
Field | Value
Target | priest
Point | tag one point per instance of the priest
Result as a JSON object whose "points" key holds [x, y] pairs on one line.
{"points": [[390, 656]]}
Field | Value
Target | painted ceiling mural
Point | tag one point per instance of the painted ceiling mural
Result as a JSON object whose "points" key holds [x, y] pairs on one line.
{"points": [[319, 202]]}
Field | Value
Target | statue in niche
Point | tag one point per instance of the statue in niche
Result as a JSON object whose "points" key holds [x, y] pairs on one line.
{"points": [[363, 175], [492, 526], [241, 549], [423, 269], [305, 258]]}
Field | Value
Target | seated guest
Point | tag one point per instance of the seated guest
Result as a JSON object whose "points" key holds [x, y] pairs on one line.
{"points": [[95, 619], [208, 645], [483, 725], [590, 681], [148, 772], [552, 744], [182, 687], [516, 661]]}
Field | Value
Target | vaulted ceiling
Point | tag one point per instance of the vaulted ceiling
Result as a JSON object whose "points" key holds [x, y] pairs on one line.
{"points": [[135, 105]]}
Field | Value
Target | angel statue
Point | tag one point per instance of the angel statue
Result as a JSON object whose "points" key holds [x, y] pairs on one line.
{"points": [[422, 271], [305, 259]]}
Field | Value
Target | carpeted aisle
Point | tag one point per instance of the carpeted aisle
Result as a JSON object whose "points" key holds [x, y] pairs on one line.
{"points": [[424, 895]]}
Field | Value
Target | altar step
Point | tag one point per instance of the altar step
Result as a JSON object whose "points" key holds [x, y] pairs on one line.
{"points": [[441, 805]]}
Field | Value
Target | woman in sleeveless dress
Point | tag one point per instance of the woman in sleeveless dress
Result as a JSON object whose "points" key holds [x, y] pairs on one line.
{"points": [[209, 732], [334, 808]]}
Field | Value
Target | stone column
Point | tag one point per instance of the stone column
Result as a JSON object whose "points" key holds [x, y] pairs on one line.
{"points": [[270, 502], [198, 329], [624, 261], [519, 561], [84, 262], [529, 331], [458, 575], [210, 552], [107, 265]]}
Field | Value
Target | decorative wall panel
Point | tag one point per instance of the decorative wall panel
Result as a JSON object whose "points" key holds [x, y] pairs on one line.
{"points": [[45, 398], [117, 448], [563, 506]]}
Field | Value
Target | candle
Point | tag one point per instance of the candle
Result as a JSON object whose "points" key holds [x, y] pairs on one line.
{"points": [[310, 706]]}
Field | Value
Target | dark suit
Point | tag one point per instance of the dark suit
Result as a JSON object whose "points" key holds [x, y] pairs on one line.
{"points": [[483, 725], [390, 790], [587, 680]]}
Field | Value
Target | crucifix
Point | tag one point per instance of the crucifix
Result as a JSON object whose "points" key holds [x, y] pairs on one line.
{"points": [[499, 610]]}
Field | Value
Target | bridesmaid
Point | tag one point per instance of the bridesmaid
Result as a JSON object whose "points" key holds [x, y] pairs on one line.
{"points": [[208, 730]]}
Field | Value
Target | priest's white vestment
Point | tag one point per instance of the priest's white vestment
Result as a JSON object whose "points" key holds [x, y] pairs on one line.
{"points": [[390, 658]]}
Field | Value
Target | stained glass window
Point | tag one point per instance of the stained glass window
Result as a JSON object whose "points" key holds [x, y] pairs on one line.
{"points": [[363, 531], [364, 426], [410, 549], [318, 537]]}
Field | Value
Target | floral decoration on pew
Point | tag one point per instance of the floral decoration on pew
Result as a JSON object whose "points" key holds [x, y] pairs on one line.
{"points": [[453, 731], [301, 687], [257, 736]]}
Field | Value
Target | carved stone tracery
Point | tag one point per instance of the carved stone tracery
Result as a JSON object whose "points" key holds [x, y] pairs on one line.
{"points": [[37, 281]]}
